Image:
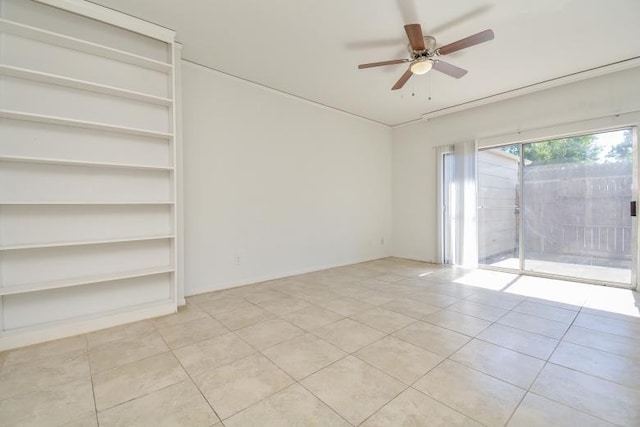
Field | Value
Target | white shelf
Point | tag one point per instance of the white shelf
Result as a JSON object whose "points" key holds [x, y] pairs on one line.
{"points": [[37, 76], [61, 40], [39, 118], [83, 242], [86, 280], [24, 159], [80, 203]]}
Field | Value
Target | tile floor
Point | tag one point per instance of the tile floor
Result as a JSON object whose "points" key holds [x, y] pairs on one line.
{"points": [[384, 343]]}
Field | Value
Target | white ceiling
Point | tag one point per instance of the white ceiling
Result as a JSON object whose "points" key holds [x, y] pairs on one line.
{"points": [[311, 48]]}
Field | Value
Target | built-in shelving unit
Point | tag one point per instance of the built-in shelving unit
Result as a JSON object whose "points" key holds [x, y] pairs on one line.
{"points": [[88, 239]]}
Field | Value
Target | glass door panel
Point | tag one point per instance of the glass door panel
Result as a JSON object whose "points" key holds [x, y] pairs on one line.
{"points": [[498, 206], [576, 195]]}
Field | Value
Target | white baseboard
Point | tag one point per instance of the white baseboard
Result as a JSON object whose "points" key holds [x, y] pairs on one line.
{"points": [[40, 334]]}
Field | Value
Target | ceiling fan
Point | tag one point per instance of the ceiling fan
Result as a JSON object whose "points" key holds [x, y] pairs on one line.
{"points": [[425, 55]]}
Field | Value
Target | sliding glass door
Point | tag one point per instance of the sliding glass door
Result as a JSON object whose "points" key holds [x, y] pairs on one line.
{"points": [[559, 207]]}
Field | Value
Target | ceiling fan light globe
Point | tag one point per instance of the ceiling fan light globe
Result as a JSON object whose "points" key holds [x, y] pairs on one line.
{"points": [[421, 67]]}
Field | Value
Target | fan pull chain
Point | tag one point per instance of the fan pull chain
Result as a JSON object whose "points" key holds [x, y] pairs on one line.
{"points": [[429, 87]]}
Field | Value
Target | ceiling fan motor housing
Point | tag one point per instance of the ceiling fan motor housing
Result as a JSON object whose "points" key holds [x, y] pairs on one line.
{"points": [[429, 50]]}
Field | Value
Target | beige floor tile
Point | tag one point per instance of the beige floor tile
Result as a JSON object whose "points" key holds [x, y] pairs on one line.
{"points": [[451, 289], [537, 325], [522, 341], [410, 308], [552, 303], [244, 317], [317, 296], [478, 396], [312, 318], [286, 305], [209, 354], [120, 352], [39, 352], [258, 295], [374, 297], [601, 398], [398, 358], [481, 311], [136, 379], [617, 344], [90, 420], [458, 322], [209, 296], [23, 378], [598, 363], [223, 304], [348, 334], [271, 332], [435, 299], [56, 405], [413, 409], [345, 306], [629, 329], [177, 405], [190, 332], [186, 313], [496, 299], [546, 311], [238, 385], [625, 311], [389, 277], [353, 389], [119, 333], [515, 368], [303, 355], [537, 411], [433, 338], [383, 320], [292, 407]]}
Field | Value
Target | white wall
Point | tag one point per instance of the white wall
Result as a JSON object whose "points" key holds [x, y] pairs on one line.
{"points": [[414, 164], [285, 185]]}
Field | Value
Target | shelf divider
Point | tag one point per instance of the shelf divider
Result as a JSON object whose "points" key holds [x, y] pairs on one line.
{"points": [[53, 120], [81, 203], [86, 280], [37, 76], [27, 159], [83, 242]]}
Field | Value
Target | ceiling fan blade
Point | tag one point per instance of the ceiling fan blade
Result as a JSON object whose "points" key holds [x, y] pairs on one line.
{"points": [[449, 69], [414, 33], [380, 64], [481, 37], [405, 77]]}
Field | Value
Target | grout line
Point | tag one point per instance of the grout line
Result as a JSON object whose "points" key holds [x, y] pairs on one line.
{"points": [[93, 388], [541, 370], [190, 377], [606, 351]]}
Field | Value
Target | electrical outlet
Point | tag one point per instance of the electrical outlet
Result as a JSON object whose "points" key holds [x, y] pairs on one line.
{"points": [[382, 241], [236, 260]]}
